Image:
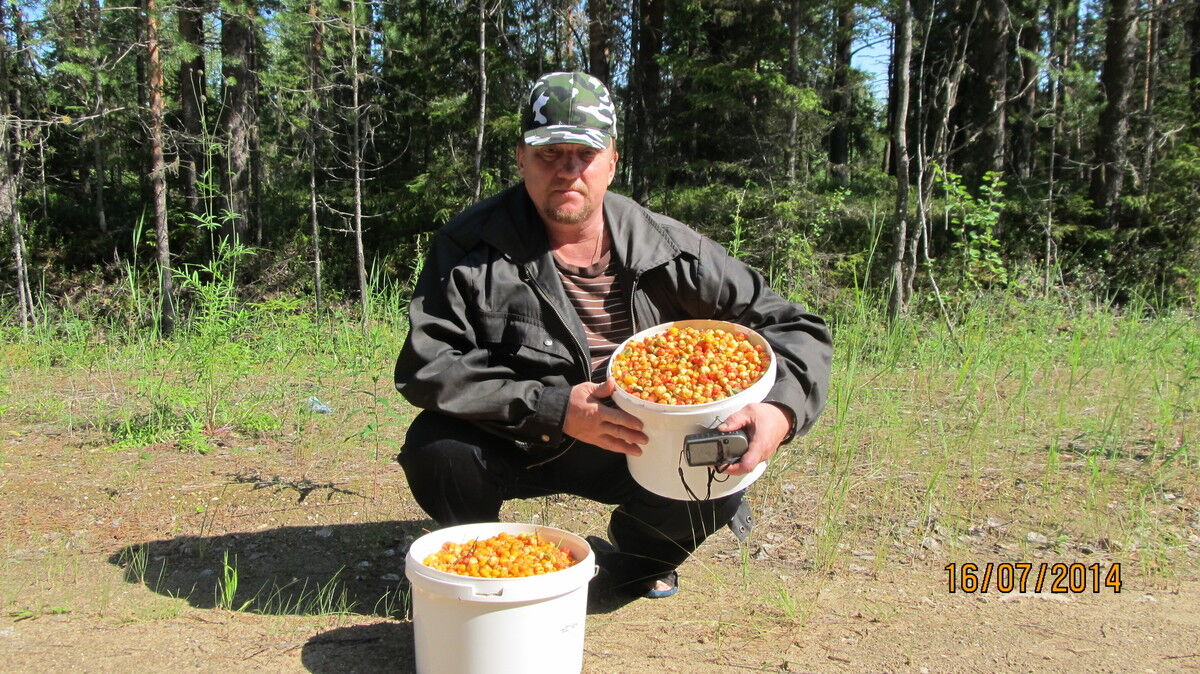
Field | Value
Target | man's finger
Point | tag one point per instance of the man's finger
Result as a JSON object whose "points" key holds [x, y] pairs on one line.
{"points": [[606, 389], [620, 418], [614, 444], [734, 422], [625, 433]]}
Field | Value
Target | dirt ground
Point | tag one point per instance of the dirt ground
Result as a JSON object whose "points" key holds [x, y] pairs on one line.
{"points": [[114, 560]]}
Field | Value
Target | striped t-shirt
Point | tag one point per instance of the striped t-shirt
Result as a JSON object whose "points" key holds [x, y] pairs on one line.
{"points": [[597, 298]]}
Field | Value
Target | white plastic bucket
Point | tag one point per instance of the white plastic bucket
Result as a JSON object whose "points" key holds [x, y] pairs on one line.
{"points": [[525, 625], [659, 467]]}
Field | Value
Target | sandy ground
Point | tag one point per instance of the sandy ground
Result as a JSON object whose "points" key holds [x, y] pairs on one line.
{"points": [[112, 561]]}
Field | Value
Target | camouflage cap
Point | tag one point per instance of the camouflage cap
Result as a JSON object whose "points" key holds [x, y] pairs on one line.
{"points": [[569, 108]]}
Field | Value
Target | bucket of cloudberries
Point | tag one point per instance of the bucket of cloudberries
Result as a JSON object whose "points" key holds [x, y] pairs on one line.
{"points": [[504, 555], [685, 365]]}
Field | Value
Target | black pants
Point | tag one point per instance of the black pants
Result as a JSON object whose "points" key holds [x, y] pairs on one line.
{"points": [[460, 474]]}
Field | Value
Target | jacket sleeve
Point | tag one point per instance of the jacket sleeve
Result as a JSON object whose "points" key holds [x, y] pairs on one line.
{"points": [[443, 367], [730, 290]]}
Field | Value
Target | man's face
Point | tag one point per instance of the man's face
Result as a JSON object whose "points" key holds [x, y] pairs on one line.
{"points": [[566, 181]]}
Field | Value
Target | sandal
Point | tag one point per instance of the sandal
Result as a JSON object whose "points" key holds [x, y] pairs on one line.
{"points": [[614, 574], [671, 579]]}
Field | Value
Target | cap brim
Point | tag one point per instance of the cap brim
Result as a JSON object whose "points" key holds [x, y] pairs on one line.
{"points": [[564, 133]]}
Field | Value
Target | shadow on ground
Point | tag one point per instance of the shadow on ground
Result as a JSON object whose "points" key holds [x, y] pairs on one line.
{"points": [[309, 570], [381, 647]]}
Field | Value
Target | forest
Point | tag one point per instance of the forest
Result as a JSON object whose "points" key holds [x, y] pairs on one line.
{"points": [[310, 147]]}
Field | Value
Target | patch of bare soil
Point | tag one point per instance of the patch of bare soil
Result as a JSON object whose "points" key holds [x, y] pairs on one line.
{"points": [[120, 560]]}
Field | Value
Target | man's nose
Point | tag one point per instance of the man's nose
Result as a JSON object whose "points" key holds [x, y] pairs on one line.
{"points": [[571, 165]]}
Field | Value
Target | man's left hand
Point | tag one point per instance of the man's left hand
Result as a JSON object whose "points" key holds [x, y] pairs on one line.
{"points": [[766, 425]]}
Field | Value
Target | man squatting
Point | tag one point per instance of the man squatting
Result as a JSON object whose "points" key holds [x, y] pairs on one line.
{"points": [[522, 299]]}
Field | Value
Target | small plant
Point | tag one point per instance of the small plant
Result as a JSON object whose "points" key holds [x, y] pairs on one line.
{"points": [[974, 221], [227, 586], [135, 559]]}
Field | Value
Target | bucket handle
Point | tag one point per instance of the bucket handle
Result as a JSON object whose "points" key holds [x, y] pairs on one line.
{"points": [[467, 591]]}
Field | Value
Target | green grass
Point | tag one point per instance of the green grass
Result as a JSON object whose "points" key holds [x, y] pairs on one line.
{"points": [[1062, 418]]}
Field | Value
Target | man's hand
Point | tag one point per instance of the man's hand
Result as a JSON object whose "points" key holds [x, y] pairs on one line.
{"points": [[590, 420], [767, 426]]}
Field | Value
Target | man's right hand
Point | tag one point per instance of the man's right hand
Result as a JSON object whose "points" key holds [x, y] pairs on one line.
{"points": [[590, 420]]}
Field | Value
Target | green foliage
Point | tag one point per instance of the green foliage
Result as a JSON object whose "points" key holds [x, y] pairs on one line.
{"points": [[973, 221]]}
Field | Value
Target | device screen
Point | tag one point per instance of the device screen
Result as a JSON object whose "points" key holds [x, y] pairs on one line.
{"points": [[704, 453]]}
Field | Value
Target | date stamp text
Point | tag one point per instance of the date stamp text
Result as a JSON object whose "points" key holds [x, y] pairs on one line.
{"points": [[1056, 577]]}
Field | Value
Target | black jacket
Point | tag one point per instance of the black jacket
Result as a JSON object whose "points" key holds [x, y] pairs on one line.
{"points": [[495, 341]]}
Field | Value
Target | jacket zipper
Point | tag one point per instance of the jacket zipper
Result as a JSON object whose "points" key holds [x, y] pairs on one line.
{"points": [[633, 322]]}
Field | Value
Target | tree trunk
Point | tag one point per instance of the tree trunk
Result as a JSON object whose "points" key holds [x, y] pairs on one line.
{"points": [[98, 131], [565, 51], [191, 101], [1150, 77], [985, 94], [236, 38], [10, 164], [599, 38], [357, 160], [158, 176], [839, 102], [316, 45], [1194, 70], [1116, 81], [482, 99], [793, 78], [1062, 56], [254, 210], [1024, 128], [645, 93], [903, 59]]}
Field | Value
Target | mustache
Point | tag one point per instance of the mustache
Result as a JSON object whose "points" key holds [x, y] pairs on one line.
{"points": [[578, 186]]}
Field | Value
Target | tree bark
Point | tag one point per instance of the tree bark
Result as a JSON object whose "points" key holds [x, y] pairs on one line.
{"points": [[839, 102], [191, 101], [985, 94], [1116, 81], [1025, 97], [158, 177], [646, 93], [482, 123], [564, 43], [599, 38], [357, 160], [1194, 70], [253, 139], [10, 167], [98, 131], [898, 302], [793, 78], [316, 45], [236, 38], [1149, 80]]}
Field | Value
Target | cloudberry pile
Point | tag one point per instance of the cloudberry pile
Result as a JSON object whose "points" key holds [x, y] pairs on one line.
{"points": [[688, 366], [501, 556]]}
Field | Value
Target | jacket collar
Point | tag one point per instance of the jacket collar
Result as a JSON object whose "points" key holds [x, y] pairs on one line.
{"points": [[515, 229]]}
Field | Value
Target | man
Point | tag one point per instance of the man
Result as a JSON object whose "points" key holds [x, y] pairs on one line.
{"points": [[522, 299]]}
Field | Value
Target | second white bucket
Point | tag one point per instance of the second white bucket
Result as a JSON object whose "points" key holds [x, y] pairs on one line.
{"points": [[661, 468], [469, 625]]}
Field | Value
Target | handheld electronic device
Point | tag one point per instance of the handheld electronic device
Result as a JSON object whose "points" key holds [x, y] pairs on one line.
{"points": [[713, 448]]}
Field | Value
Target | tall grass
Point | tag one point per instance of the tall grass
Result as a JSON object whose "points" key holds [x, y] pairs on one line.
{"points": [[1061, 419]]}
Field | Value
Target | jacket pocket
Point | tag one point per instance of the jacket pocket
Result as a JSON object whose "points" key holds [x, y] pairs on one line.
{"points": [[509, 334]]}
